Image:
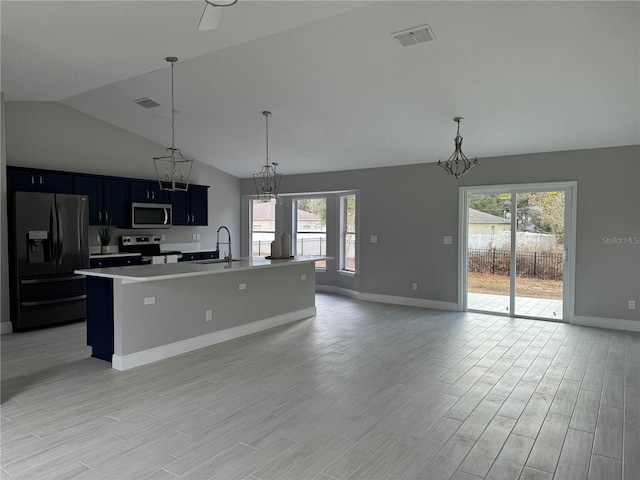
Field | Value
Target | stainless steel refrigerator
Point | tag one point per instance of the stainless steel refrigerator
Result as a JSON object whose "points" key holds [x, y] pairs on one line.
{"points": [[49, 239]]}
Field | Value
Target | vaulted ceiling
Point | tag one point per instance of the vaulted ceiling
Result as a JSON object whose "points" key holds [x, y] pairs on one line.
{"points": [[527, 76]]}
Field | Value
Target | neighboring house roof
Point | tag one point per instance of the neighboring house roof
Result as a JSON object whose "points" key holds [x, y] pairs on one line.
{"points": [[267, 211], [476, 216]]}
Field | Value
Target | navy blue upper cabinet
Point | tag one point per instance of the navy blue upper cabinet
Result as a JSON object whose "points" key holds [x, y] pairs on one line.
{"points": [[191, 207], [116, 201], [199, 205], [108, 199], [19, 178], [147, 191], [91, 186]]}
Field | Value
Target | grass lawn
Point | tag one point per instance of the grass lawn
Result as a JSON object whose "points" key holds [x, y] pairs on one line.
{"points": [[525, 287]]}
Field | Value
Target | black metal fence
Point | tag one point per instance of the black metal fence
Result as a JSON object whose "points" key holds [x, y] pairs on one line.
{"points": [[542, 265]]}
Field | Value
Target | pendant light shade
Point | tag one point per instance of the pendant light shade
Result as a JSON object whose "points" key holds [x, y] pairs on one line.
{"points": [[173, 169], [267, 180], [458, 164]]}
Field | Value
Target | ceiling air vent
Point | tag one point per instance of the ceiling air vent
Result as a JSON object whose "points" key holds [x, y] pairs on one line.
{"points": [[147, 102], [414, 35]]}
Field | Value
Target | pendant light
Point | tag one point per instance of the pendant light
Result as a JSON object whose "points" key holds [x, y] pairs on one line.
{"points": [[173, 169], [267, 180], [458, 164]]}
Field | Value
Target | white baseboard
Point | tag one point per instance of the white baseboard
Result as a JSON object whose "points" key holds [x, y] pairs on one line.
{"points": [[410, 302], [125, 362], [374, 297], [602, 322], [339, 290], [5, 327]]}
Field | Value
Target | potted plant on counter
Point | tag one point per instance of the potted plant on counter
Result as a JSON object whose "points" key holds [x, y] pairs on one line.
{"points": [[105, 233]]}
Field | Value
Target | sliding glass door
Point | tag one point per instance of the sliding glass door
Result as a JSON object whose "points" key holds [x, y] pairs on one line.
{"points": [[516, 245]]}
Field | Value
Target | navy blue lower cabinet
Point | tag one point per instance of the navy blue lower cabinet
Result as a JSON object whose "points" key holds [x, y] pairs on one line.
{"points": [[100, 317], [188, 257], [210, 255]]}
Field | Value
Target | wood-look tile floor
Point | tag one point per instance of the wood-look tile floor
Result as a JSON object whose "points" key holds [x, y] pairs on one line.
{"points": [[362, 391]]}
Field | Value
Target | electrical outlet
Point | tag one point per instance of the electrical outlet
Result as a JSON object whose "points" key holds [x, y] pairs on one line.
{"points": [[208, 315], [193, 236], [197, 236], [149, 300], [163, 237], [242, 286], [303, 276], [373, 238], [98, 238], [447, 240], [632, 304], [414, 287]]}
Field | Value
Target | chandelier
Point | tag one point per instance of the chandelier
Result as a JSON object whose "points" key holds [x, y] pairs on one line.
{"points": [[267, 180], [173, 169], [458, 164]]}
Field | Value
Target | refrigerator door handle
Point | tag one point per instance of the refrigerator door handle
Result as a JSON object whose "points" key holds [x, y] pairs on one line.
{"points": [[60, 234], [32, 281], [56, 300], [53, 228]]}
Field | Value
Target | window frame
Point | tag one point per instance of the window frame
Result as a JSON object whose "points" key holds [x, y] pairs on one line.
{"points": [[252, 230], [344, 232], [295, 231]]}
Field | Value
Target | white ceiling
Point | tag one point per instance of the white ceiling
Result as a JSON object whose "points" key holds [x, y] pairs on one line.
{"points": [[527, 76]]}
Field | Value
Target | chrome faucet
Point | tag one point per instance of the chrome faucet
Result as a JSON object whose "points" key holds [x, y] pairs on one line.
{"points": [[228, 257]]}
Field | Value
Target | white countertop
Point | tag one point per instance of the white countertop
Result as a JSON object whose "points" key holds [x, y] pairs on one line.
{"points": [[168, 271]]}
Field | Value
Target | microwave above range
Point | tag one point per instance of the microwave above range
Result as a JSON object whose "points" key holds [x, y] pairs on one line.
{"points": [[151, 215]]}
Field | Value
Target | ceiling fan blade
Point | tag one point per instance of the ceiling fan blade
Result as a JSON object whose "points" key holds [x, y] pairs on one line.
{"points": [[210, 17]]}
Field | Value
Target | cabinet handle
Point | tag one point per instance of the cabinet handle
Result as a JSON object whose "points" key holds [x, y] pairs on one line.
{"points": [[99, 216], [40, 179], [193, 219], [33, 180], [147, 192], [106, 216], [188, 220], [153, 195]]}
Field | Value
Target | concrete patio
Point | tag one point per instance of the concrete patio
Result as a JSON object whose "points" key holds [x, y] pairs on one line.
{"points": [[525, 306]]}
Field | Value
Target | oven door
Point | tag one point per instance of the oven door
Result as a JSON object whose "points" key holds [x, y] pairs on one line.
{"points": [[150, 215]]}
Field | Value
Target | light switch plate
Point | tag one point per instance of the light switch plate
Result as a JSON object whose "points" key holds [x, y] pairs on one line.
{"points": [[242, 286], [373, 238], [448, 239], [303, 276], [149, 300]]}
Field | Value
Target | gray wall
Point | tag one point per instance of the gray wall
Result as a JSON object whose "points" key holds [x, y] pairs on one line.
{"points": [[179, 311], [51, 135], [410, 208]]}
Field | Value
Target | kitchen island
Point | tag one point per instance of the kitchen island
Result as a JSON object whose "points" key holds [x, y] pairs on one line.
{"points": [[141, 314]]}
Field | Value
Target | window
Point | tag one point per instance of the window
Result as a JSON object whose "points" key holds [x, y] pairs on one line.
{"points": [[348, 233], [311, 227], [263, 221]]}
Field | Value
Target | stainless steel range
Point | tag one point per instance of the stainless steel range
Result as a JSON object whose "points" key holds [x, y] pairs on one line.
{"points": [[149, 247]]}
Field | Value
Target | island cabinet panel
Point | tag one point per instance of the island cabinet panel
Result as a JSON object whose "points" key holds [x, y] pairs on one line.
{"points": [[100, 317], [39, 180], [147, 191], [191, 207], [108, 199]]}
